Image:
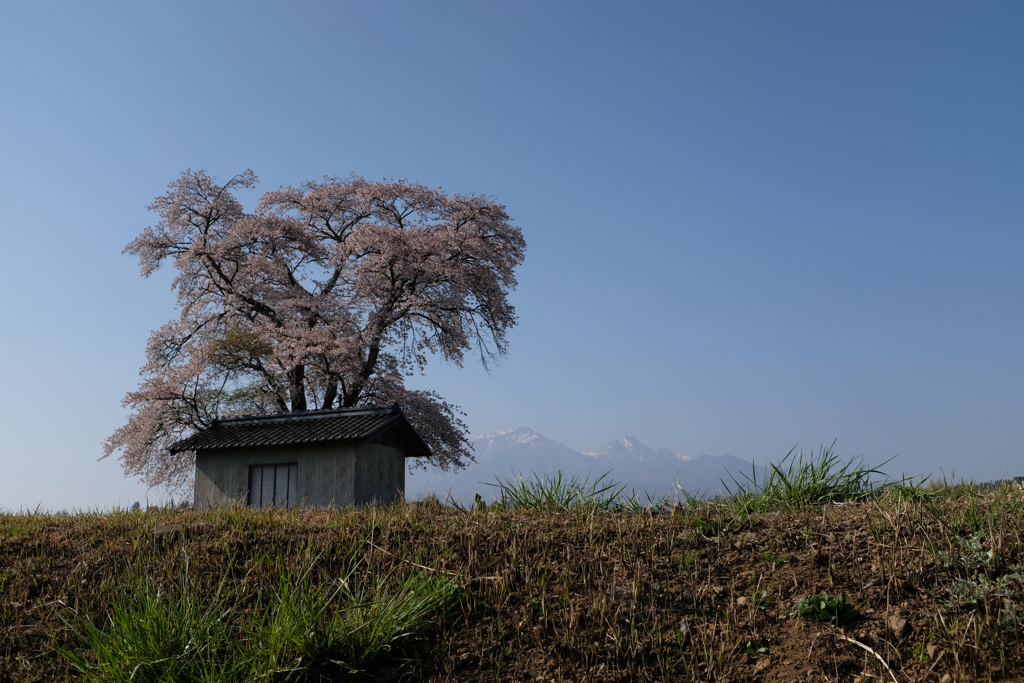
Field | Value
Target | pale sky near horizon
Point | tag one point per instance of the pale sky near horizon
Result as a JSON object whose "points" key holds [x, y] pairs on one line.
{"points": [[750, 226]]}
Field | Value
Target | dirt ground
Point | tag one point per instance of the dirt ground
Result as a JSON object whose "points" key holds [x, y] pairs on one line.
{"points": [[699, 595], [728, 616]]}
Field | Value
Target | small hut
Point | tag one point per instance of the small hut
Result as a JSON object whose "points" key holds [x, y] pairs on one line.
{"points": [[316, 458]]}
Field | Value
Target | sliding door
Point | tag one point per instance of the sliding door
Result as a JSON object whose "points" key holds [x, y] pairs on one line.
{"points": [[274, 485]]}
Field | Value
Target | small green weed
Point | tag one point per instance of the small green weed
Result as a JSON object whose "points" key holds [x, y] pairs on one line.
{"points": [[823, 608], [762, 600], [1009, 619], [770, 556], [970, 554], [701, 524], [688, 560], [980, 588], [973, 592]]}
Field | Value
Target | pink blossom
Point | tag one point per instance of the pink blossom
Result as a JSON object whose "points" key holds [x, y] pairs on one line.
{"points": [[328, 295]]}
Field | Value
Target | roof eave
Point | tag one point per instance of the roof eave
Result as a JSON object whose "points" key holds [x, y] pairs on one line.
{"points": [[400, 418]]}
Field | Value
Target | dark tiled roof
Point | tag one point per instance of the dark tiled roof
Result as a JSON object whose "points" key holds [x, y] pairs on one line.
{"points": [[314, 426]]}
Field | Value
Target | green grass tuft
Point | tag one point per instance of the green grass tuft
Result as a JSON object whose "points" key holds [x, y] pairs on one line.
{"points": [[158, 636], [558, 493], [799, 482], [301, 632]]}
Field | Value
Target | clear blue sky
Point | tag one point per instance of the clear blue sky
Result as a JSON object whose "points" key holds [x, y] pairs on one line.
{"points": [[749, 225]]}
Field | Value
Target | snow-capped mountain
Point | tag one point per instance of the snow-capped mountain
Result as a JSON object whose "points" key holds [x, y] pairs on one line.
{"points": [[522, 442], [514, 452], [627, 450], [625, 460]]}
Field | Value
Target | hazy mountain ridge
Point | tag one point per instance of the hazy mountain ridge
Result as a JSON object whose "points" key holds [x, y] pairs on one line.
{"points": [[626, 460], [627, 449], [523, 439]]}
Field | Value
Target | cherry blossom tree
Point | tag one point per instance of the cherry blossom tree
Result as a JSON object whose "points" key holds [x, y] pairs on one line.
{"points": [[327, 295]]}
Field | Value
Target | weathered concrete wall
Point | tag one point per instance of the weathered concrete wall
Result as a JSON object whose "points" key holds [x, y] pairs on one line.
{"points": [[330, 475]]}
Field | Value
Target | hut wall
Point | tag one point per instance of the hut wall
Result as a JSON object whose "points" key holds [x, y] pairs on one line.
{"points": [[379, 474], [329, 475]]}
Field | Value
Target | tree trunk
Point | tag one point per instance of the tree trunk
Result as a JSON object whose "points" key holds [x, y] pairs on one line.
{"points": [[369, 367], [298, 388], [330, 393]]}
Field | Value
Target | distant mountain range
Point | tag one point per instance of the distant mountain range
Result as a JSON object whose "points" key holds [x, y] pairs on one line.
{"points": [[654, 472]]}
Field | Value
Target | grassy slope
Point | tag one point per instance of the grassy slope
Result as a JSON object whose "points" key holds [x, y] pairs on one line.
{"points": [[695, 593]]}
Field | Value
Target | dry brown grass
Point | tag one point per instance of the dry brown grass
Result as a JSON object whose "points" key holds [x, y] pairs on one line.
{"points": [[701, 593]]}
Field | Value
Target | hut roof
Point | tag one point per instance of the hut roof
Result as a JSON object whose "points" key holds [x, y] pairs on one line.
{"points": [[311, 426]]}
